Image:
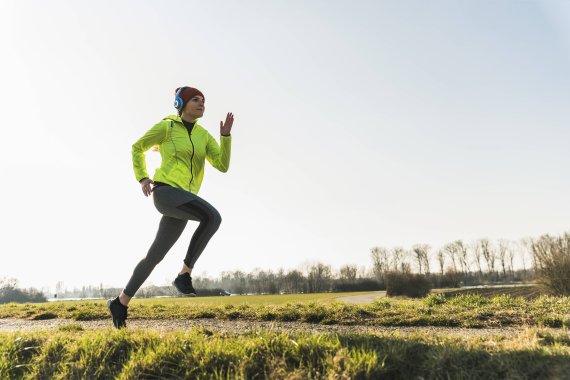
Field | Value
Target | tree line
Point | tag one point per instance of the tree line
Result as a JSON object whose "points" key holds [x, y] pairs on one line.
{"points": [[545, 260], [479, 262], [10, 292]]}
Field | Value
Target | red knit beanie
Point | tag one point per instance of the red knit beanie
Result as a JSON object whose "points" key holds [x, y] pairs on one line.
{"points": [[188, 93]]}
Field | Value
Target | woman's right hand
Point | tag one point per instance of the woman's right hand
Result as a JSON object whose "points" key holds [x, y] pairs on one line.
{"points": [[145, 184]]}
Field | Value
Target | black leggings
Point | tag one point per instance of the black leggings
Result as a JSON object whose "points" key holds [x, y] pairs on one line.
{"points": [[178, 207]]}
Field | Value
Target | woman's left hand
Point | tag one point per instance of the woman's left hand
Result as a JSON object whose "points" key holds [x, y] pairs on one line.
{"points": [[226, 128]]}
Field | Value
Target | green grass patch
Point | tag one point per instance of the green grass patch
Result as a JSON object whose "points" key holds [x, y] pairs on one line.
{"points": [[200, 353], [468, 310]]}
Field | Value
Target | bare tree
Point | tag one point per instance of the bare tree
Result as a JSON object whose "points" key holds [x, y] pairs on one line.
{"points": [[488, 254], [294, 282], [476, 249], [348, 273], [441, 260], [462, 254], [238, 282], [427, 259], [421, 252], [6, 282], [319, 278], [451, 251], [250, 283], [511, 256], [280, 279], [552, 263], [399, 254], [526, 249], [503, 252], [264, 281], [380, 262]]}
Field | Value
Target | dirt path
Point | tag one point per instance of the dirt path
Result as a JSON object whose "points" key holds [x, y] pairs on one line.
{"points": [[365, 298], [7, 325]]}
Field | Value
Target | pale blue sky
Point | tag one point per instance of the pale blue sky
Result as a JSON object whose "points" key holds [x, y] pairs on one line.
{"points": [[386, 123]]}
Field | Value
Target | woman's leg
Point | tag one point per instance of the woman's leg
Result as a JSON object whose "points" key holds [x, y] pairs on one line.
{"points": [[168, 233], [210, 220], [177, 207]]}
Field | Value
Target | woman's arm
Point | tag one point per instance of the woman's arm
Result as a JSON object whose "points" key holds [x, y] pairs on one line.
{"points": [[154, 136], [218, 156]]}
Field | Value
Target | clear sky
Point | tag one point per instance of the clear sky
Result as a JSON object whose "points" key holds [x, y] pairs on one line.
{"points": [[357, 124]]}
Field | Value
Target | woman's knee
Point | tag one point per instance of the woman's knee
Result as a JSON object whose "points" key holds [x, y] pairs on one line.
{"points": [[216, 218], [206, 214], [211, 217]]}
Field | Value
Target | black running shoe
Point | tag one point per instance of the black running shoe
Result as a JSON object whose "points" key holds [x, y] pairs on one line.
{"points": [[119, 313], [184, 284]]}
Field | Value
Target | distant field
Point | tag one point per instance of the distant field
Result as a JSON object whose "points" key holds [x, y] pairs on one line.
{"points": [[269, 299]]}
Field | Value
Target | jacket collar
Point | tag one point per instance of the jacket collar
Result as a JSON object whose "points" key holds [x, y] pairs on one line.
{"points": [[178, 119]]}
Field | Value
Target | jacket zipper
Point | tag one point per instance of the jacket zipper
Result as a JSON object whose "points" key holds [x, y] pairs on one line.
{"points": [[191, 158]]}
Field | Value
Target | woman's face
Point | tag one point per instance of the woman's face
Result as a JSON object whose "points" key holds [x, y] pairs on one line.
{"points": [[194, 107]]}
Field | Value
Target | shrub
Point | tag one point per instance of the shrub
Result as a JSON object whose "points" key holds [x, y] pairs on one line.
{"points": [[407, 284], [9, 292], [359, 285], [451, 279], [552, 263]]}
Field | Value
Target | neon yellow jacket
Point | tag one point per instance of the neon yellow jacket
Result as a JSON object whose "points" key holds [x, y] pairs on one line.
{"points": [[183, 155]]}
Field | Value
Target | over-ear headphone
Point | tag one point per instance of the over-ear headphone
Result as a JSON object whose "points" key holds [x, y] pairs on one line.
{"points": [[178, 101]]}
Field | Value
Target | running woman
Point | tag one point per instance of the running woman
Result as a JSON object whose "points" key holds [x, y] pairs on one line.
{"points": [[184, 146]]}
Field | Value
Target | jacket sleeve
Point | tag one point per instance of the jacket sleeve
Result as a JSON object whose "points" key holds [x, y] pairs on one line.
{"points": [[154, 136], [219, 155]]}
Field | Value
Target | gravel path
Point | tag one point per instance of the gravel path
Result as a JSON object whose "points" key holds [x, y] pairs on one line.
{"points": [[365, 298], [244, 326]]}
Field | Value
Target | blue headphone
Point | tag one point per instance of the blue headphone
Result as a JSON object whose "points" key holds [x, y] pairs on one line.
{"points": [[178, 101]]}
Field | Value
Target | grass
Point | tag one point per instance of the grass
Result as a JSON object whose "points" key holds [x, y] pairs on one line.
{"points": [[526, 291], [73, 351], [268, 299], [469, 310], [200, 353]]}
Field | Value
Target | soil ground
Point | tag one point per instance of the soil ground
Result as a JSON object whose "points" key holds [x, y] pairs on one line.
{"points": [[245, 326]]}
